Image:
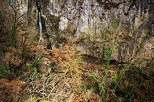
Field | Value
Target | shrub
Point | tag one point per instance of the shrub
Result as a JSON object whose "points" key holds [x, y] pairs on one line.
{"points": [[4, 71]]}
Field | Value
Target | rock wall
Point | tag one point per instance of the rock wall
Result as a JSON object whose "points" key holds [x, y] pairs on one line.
{"points": [[125, 26]]}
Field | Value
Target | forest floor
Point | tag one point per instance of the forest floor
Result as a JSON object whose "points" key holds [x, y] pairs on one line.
{"points": [[119, 85]]}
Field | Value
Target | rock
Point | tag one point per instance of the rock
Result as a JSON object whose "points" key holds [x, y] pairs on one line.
{"points": [[123, 26]]}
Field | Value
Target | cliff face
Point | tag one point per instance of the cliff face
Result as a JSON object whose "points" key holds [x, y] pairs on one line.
{"points": [[95, 25]]}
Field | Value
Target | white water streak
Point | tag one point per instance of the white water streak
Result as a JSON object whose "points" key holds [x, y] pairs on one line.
{"points": [[40, 28]]}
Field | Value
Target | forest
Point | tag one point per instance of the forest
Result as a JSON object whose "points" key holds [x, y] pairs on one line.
{"points": [[76, 50]]}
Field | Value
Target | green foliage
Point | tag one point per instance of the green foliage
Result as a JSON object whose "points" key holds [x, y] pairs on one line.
{"points": [[108, 58], [104, 75], [101, 82], [14, 33], [103, 50], [55, 23], [35, 64], [15, 25], [118, 87], [4, 71]]}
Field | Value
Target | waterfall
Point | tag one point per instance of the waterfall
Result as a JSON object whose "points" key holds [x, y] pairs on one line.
{"points": [[40, 28]]}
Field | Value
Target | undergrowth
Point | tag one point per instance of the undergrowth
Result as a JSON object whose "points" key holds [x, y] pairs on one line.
{"points": [[35, 73]]}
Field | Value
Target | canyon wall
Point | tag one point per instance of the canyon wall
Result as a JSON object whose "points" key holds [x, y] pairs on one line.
{"points": [[127, 27]]}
